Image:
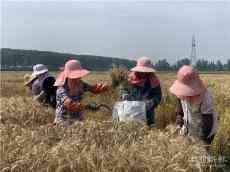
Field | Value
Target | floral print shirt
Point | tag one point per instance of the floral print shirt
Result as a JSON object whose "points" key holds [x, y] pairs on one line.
{"points": [[61, 112]]}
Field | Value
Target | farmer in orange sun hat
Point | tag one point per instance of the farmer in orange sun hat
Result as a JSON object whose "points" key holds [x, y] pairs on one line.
{"points": [[195, 115], [70, 92]]}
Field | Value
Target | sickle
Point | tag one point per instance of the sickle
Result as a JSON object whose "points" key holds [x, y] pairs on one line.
{"points": [[104, 106]]}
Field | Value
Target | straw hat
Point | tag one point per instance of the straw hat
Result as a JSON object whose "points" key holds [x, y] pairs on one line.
{"points": [[29, 79], [71, 70], [188, 83], [145, 65]]}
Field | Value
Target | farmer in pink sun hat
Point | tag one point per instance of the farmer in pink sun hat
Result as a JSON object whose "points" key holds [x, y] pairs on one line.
{"points": [[195, 115], [70, 92], [143, 85]]}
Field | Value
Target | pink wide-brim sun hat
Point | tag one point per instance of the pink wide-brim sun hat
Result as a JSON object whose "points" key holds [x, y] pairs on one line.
{"points": [[72, 70], [144, 65], [188, 83]]}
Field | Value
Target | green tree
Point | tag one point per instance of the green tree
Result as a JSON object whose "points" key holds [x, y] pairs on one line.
{"points": [[163, 65], [219, 66]]}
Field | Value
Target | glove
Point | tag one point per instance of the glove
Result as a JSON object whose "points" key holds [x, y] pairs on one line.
{"points": [[69, 104], [92, 106], [73, 106], [98, 88], [81, 106]]}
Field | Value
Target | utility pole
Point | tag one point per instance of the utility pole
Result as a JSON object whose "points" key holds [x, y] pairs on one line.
{"points": [[193, 52]]}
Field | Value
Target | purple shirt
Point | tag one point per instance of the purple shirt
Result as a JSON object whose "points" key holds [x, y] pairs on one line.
{"points": [[37, 84]]}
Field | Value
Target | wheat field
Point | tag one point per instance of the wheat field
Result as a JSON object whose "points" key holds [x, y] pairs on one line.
{"points": [[29, 143]]}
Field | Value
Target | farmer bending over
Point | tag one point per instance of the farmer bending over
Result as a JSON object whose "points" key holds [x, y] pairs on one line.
{"points": [[28, 81], [42, 87], [195, 115], [143, 85], [70, 92]]}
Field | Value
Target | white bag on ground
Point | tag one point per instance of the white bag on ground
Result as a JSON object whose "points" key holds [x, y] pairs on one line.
{"points": [[129, 111]]}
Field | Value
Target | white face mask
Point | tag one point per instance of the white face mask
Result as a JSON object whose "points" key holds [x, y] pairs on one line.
{"points": [[195, 100]]}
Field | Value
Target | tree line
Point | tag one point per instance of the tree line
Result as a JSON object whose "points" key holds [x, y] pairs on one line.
{"points": [[14, 59], [201, 65]]}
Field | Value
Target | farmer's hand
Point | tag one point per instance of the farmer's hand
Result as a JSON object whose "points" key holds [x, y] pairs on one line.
{"points": [[72, 106], [69, 104], [98, 88], [81, 106], [104, 87]]}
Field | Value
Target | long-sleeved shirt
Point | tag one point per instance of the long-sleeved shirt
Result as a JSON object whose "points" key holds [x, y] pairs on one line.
{"points": [[198, 119], [150, 95], [37, 84], [44, 91], [61, 110]]}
